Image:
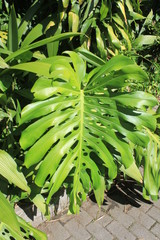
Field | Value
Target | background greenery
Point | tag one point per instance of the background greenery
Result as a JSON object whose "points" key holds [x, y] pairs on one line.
{"points": [[72, 67]]}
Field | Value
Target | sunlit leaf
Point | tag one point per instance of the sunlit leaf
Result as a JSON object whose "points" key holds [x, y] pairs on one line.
{"points": [[7, 215], [8, 169], [80, 120]]}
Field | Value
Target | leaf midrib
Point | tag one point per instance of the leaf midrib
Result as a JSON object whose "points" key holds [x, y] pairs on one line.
{"points": [[81, 123]]}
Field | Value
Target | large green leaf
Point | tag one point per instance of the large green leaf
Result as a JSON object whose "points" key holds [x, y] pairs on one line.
{"points": [[7, 215], [14, 227], [81, 126]]}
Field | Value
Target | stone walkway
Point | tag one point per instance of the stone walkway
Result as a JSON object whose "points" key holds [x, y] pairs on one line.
{"points": [[124, 215]]}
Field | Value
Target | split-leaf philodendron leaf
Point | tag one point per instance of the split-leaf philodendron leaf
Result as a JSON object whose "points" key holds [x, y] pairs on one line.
{"points": [[81, 125]]}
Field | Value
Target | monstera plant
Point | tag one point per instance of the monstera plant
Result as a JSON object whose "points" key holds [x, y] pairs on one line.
{"points": [[81, 128]]}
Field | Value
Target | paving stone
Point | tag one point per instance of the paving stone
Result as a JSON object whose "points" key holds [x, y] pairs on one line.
{"points": [[54, 230], [121, 217], [104, 220], [141, 217], [141, 232], [98, 231], [66, 218], [157, 203], [154, 213], [93, 210], [110, 222], [83, 218], [77, 230], [119, 231], [156, 230], [111, 205], [145, 207]]}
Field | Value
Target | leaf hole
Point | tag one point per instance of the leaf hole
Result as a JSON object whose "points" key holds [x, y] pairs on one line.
{"points": [[66, 108], [94, 135], [94, 157], [65, 155], [6, 230], [85, 154], [76, 128], [54, 144], [63, 122], [12, 238], [31, 237], [22, 230], [75, 144], [89, 147], [67, 134]]}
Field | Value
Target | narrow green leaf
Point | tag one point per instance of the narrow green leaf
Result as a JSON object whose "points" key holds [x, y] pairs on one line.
{"points": [[125, 37], [136, 16], [144, 40], [53, 47], [40, 43], [35, 32], [104, 9], [122, 8], [73, 21], [100, 44], [28, 17], [8, 169], [90, 57], [12, 31], [115, 41]]}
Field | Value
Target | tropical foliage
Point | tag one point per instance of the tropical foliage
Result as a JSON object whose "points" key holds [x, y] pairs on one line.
{"points": [[85, 117], [85, 124]]}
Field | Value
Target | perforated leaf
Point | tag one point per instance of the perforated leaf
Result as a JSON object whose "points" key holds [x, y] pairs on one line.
{"points": [[80, 126]]}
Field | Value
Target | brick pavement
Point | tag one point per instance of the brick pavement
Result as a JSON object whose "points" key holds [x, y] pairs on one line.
{"points": [[121, 217]]}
